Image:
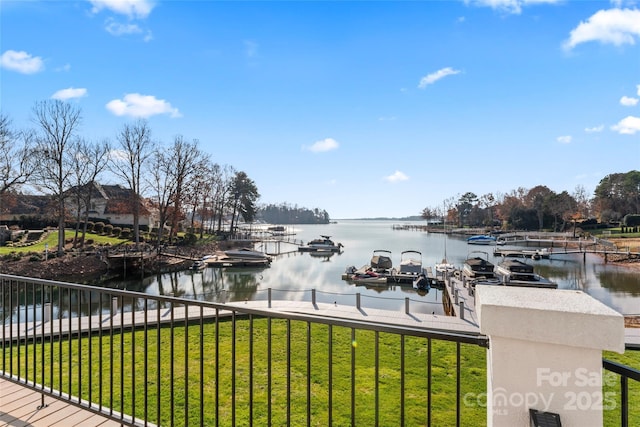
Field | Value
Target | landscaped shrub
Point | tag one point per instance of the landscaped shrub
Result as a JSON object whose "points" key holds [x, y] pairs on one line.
{"points": [[35, 258], [125, 233], [190, 238], [90, 225], [98, 227], [108, 229], [631, 220], [115, 232]]}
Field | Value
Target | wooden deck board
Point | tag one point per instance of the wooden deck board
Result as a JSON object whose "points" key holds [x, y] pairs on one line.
{"points": [[19, 408]]}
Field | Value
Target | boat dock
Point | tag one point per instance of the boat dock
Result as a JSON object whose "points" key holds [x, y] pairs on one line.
{"points": [[523, 253], [393, 276]]}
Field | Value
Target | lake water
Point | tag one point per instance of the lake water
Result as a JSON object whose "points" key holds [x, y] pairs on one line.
{"points": [[293, 275]]}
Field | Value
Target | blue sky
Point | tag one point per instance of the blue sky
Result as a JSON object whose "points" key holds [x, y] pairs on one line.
{"points": [[364, 109]]}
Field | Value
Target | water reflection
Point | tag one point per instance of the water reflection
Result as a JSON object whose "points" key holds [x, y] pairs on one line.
{"points": [[292, 274]]}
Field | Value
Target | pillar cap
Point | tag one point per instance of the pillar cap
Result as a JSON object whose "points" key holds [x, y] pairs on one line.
{"points": [[556, 316]]}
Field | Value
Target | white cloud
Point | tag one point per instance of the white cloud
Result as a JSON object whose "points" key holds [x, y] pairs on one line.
{"points": [[627, 126], [117, 29], [323, 145], [434, 77], [565, 139], [118, 155], [22, 62], [628, 101], [69, 93], [136, 105], [64, 68], [615, 26], [397, 176], [509, 6], [595, 129], [131, 8]]}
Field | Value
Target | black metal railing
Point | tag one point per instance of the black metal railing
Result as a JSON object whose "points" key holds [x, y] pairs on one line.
{"points": [[625, 373], [141, 359]]}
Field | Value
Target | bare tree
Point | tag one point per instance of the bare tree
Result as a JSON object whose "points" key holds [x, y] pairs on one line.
{"points": [[185, 157], [162, 185], [136, 149], [197, 193], [222, 189], [16, 160], [88, 163], [57, 123]]}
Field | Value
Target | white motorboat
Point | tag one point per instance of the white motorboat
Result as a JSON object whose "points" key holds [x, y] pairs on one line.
{"points": [[482, 239], [246, 254], [476, 267], [444, 268], [514, 272], [324, 243], [410, 262]]}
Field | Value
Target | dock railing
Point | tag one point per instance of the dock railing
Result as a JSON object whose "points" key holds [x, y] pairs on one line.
{"points": [[142, 359]]}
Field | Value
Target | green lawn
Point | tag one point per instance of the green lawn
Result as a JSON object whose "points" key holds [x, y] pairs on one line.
{"points": [[130, 369], [52, 242], [236, 358]]}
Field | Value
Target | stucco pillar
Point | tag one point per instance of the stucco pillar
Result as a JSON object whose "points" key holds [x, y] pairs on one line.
{"points": [[545, 353]]}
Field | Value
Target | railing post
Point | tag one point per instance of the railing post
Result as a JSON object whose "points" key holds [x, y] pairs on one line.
{"points": [[47, 313], [358, 300], [461, 310], [313, 296], [406, 305], [114, 305], [269, 294], [455, 295]]}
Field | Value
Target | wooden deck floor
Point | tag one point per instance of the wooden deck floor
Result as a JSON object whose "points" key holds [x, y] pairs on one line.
{"points": [[19, 408]]}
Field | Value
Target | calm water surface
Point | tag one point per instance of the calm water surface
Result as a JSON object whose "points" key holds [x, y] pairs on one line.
{"points": [[292, 275]]}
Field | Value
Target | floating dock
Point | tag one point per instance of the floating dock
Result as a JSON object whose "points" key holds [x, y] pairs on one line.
{"points": [[389, 277], [523, 253]]}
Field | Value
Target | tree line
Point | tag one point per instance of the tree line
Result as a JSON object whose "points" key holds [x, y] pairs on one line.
{"points": [[181, 180], [616, 199], [287, 214]]}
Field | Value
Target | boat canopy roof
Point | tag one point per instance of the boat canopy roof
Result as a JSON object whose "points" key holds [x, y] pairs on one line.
{"points": [[517, 266]]}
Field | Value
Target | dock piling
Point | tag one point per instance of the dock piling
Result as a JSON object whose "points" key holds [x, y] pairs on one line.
{"points": [[461, 310]]}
